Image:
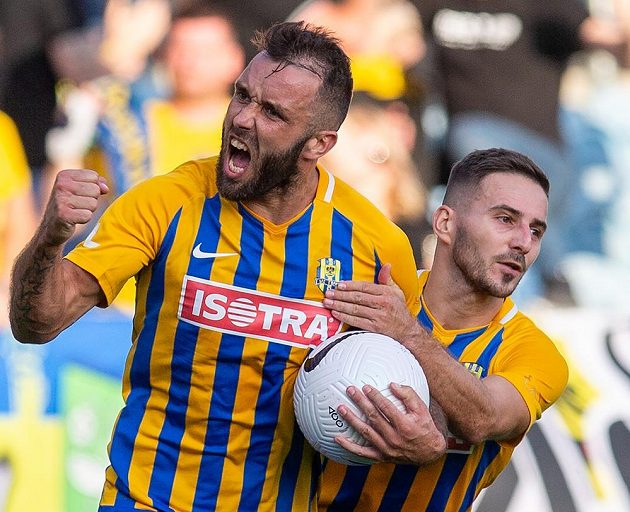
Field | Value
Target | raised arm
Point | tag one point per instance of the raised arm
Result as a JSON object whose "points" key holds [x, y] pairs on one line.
{"points": [[49, 293]]}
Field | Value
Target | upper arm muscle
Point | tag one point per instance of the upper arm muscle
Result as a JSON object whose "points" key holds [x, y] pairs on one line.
{"points": [[82, 292], [511, 413]]}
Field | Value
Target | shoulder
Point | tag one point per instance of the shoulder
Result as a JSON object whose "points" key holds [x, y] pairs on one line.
{"points": [[191, 179], [363, 214], [521, 328], [155, 201], [531, 361], [524, 340]]}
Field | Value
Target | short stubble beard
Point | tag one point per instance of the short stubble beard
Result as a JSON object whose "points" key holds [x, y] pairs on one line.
{"points": [[475, 271]]}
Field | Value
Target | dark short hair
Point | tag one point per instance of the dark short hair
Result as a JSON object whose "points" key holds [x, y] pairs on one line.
{"points": [[467, 174], [315, 49]]}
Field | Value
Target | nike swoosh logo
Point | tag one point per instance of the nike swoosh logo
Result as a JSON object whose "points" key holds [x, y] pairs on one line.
{"points": [[198, 253]]}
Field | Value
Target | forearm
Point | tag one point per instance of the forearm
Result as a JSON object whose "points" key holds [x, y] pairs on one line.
{"points": [[477, 409], [48, 293], [37, 300], [463, 398], [438, 416]]}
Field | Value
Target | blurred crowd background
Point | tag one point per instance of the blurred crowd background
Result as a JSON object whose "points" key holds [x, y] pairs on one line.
{"points": [[132, 88]]}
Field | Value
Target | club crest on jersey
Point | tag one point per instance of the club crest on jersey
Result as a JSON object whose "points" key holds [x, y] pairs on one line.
{"points": [[474, 368], [328, 274]]}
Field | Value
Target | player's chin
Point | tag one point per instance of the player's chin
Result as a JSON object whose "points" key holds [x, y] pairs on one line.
{"points": [[500, 285], [506, 287], [229, 188]]}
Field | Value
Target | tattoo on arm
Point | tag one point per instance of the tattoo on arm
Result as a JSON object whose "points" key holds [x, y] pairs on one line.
{"points": [[31, 284]]}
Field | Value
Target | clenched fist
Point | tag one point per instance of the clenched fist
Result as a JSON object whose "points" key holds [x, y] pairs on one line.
{"points": [[73, 200]]}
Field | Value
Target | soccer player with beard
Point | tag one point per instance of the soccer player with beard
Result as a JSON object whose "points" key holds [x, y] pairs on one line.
{"points": [[491, 371], [232, 258]]}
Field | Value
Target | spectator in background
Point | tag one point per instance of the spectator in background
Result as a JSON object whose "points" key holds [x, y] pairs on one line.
{"points": [[27, 77], [383, 38], [17, 225], [374, 155], [105, 108], [595, 120], [499, 65], [105, 125], [378, 145], [253, 16], [136, 135], [202, 59], [17, 209]]}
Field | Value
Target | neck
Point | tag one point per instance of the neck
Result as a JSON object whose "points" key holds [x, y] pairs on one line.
{"points": [[279, 207], [453, 303]]}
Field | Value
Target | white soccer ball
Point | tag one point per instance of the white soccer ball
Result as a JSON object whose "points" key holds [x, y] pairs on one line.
{"points": [[353, 358]]}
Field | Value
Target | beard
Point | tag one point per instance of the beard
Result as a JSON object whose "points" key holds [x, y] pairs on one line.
{"points": [[475, 270], [273, 172]]}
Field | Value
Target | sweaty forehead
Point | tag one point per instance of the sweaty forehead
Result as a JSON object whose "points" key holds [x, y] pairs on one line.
{"points": [[265, 76]]}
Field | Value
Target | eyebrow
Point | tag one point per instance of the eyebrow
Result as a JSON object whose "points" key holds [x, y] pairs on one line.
{"points": [[240, 86], [539, 223]]}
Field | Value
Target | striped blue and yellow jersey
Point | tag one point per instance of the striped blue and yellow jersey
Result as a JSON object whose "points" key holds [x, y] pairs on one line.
{"points": [[511, 346], [227, 306]]}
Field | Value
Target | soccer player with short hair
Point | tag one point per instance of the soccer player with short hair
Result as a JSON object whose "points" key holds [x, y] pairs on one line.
{"points": [[232, 257], [491, 371]]}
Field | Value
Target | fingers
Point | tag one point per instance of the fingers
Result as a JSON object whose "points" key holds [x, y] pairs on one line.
{"points": [[73, 200], [373, 405], [346, 296], [386, 314], [410, 399], [357, 316], [384, 280], [77, 193], [362, 287], [355, 307], [368, 294], [80, 183], [363, 451], [103, 185], [382, 413], [377, 307], [81, 178], [373, 427], [394, 435], [350, 307], [385, 275]]}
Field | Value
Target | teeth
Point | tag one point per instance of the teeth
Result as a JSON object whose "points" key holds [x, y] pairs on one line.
{"points": [[239, 145], [234, 168]]}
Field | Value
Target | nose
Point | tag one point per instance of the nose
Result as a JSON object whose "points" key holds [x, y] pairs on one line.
{"points": [[521, 238], [245, 116]]}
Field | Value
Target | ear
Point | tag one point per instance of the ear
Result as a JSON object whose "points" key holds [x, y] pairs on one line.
{"points": [[444, 223], [319, 144]]}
